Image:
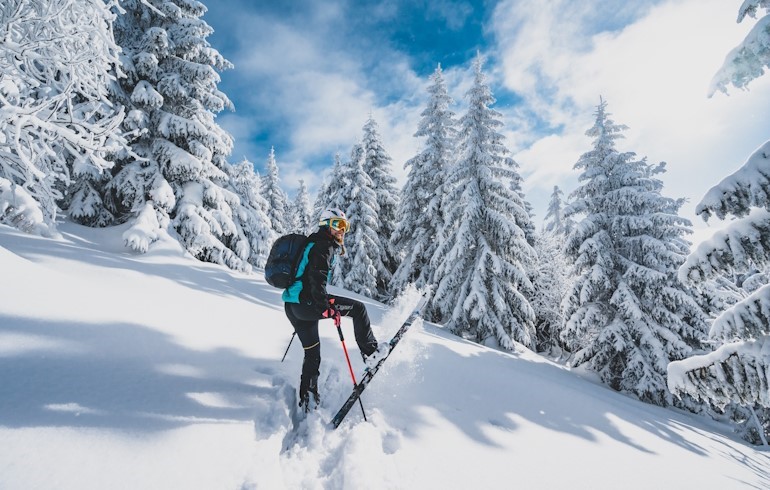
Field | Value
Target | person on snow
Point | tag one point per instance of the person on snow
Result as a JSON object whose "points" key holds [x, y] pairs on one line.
{"points": [[307, 301]]}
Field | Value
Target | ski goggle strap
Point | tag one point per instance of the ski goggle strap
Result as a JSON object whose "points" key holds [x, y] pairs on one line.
{"points": [[336, 223]]}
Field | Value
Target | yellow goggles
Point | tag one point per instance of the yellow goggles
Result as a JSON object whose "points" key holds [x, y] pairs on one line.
{"points": [[336, 224]]}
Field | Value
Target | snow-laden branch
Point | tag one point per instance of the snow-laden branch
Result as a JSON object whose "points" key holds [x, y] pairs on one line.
{"points": [[749, 318], [737, 193], [56, 120], [18, 208], [741, 246], [736, 372], [749, 59]]}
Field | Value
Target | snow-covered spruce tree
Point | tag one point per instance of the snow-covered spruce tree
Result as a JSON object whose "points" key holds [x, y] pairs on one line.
{"points": [[320, 202], [481, 264], [551, 284], [277, 201], [627, 315], [250, 213], [378, 165], [303, 221], [171, 88], [420, 213], [57, 125], [736, 373], [329, 192], [552, 276], [527, 225], [555, 222], [356, 270]]}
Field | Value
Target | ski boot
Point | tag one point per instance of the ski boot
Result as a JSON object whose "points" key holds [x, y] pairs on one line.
{"points": [[383, 349], [306, 392]]}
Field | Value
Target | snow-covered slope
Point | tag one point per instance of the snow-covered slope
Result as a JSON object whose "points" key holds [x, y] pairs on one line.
{"points": [[156, 371]]}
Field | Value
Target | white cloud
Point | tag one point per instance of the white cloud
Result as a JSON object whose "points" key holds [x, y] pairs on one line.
{"points": [[654, 73], [322, 91]]}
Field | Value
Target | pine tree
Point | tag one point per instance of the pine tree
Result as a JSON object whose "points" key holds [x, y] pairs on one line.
{"points": [[552, 277], [528, 224], [551, 283], [378, 166], [628, 315], [303, 222], [250, 213], [329, 192], [357, 270], [420, 211], [277, 202], [555, 222], [179, 179], [320, 202], [58, 129], [481, 263]]}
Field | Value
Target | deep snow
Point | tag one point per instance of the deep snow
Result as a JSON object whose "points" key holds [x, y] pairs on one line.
{"points": [[156, 371]]}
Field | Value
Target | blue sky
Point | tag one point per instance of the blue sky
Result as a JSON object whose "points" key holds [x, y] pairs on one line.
{"points": [[333, 62], [308, 73]]}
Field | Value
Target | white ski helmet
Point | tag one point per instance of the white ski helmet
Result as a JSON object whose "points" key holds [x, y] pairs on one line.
{"points": [[335, 219], [330, 213]]}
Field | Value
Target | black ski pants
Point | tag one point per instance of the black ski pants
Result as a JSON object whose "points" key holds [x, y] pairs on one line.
{"points": [[304, 319]]}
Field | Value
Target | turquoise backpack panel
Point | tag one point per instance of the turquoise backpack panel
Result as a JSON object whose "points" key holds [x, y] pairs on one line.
{"points": [[291, 294]]}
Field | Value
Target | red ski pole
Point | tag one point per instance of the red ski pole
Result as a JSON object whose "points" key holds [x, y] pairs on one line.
{"points": [[338, 324]]}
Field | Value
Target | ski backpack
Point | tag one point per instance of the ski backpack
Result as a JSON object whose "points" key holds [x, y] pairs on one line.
{"points": [[283, 260]]}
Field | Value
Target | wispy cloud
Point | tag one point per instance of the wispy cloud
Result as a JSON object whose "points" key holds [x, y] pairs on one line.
{"points": [[654, 72], [313, 85], [307, 77]]}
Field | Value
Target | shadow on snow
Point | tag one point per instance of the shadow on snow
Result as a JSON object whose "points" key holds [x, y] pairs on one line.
{"points": [[120, 376]]}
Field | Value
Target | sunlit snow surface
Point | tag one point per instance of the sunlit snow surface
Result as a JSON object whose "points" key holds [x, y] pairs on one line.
{"points": [[156, 371]]}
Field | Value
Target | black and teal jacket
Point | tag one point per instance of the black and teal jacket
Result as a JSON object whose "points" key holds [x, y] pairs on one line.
{"points": [[314, 271]]}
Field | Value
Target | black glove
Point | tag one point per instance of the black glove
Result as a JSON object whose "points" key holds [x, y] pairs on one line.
{"points": [[331, 311]]}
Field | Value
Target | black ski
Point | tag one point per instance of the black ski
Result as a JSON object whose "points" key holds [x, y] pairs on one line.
{"points": [[370, 372]]}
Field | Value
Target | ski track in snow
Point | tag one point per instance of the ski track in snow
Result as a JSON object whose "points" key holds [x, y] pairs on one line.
{"points": [[314, 455], [310, 453]]}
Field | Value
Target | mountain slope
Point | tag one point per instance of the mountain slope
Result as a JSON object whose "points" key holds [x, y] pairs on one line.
{"points": [[157, 371]]}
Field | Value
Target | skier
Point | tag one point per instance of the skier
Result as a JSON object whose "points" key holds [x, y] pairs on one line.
{"points": [[307, 301]]}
